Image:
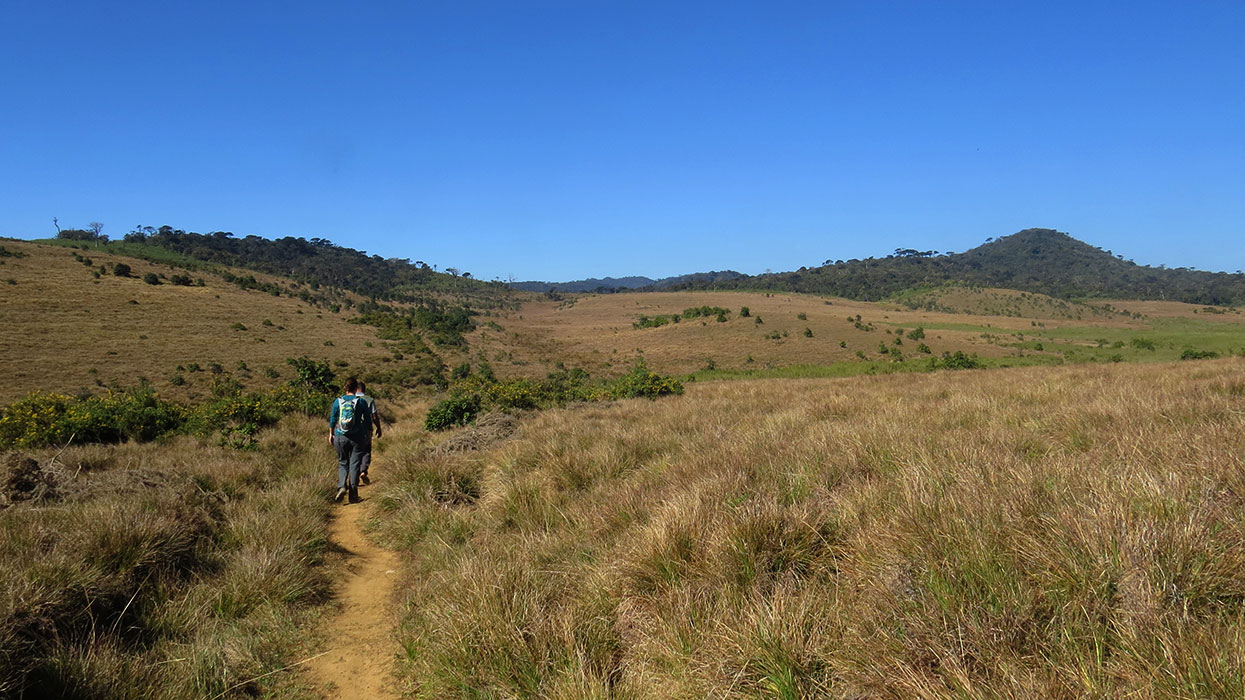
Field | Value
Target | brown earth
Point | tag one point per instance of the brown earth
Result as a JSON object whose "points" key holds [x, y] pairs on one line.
{"points": [[359, 661]]}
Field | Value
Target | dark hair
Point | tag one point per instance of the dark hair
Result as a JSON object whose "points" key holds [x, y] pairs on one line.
{"points": [[351, 385], [362, 387]]}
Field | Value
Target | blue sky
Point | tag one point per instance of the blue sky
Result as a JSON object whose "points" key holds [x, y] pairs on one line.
{"points": [[559, 140]]}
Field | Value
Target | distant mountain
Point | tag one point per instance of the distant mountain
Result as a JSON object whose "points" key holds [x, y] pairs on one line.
{"points": [[704, 278], [609, 285], [1035, 260], [592, 284]]}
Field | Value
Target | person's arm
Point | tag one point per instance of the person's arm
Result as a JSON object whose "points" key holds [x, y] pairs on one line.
{"points": [[332, 420], [376, 417]]}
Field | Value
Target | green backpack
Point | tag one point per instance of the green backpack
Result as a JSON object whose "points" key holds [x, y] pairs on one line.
{"points": [[346, 413]]}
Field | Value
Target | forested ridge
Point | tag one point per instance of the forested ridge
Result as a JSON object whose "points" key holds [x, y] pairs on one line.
{"points": [[1034, 260], [315, 262]]}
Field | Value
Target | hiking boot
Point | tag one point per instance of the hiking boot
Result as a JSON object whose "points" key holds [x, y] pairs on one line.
{"points": [[364, 479], [340, 492], [356, 499]]}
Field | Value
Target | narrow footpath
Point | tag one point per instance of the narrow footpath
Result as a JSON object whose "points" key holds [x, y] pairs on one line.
{"points": [[359, 663]]}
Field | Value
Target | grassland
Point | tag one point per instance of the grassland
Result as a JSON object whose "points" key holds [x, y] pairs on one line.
{"points": [[1067, 532], [1070, 529], [165, 571], [806, 335]]}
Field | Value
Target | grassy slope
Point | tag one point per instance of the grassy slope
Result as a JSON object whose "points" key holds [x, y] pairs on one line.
{"points": [[1030, 533], [66, 330], [596, 332]]}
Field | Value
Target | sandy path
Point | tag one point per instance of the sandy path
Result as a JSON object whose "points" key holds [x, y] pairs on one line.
{"points": [[360, 635]]}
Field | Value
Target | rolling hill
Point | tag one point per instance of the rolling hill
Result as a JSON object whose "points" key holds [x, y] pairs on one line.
{"points": [[1034, 260]]}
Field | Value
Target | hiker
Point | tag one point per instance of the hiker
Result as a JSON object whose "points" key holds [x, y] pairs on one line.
{"points": [[349, 426], [370, 402]]}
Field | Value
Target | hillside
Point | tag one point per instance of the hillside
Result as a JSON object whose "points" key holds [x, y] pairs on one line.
{"points": [[75, 326], [805, 335], [316, 262], [1034, 260]]}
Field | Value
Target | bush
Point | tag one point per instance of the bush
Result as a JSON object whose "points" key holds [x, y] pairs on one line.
{"points": [[151, 278], [956, 360], [1191, 354], [643, 382], [453, 411], [121, 270], [916, 333], [40, 419]]}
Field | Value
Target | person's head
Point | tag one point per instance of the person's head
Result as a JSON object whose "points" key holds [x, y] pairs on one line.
{"points": [[362, 388], [352, 385]]}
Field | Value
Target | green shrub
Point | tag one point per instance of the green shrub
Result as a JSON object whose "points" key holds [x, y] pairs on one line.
{"points": [[42, 419], [643, 382], [744, 312], [121, 270], [151, 278], [453, 411], [916, 333], [1191, 354], [705, 312], [956, 360], [651, 322]]}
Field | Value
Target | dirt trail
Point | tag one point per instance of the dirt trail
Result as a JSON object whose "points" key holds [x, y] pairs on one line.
{"points": [[360, 635]]}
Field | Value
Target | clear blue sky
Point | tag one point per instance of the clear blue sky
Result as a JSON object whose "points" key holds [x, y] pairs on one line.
{"points": [[545, 140]]}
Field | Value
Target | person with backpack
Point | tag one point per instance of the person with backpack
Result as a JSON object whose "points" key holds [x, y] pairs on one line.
{"points": [[370, 402], [350, 425]]}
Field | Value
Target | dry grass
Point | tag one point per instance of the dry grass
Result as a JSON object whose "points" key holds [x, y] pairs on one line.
{"points": [[163, 571], [596, 332], [65, 330], [68, 331], [1074, 532]]}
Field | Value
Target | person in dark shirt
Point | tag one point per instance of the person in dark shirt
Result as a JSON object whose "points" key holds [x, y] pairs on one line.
{"points": [[350, 426], [370, 402]]}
